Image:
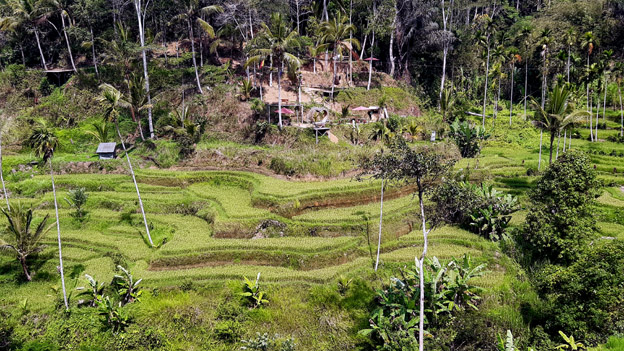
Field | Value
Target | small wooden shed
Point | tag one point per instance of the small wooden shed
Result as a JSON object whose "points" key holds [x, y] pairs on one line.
{"points": [[106, 151]]}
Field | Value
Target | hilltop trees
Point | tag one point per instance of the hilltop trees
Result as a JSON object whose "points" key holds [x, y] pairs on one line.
{"points": [[337, 36], [25, 14], [277, 43]]}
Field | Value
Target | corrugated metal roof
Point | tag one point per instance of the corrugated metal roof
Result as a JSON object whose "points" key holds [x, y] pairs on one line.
{"points": [[106, 148]]}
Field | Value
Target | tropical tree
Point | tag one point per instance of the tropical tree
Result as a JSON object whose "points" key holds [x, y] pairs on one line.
{"points": [[275, 42], [337, 34], [558, 114], [20, 237], [545, 42], [25, 13], [62, 7], [112, 100], [191, 11], [587, 43], [44, 142], [514, 57]]}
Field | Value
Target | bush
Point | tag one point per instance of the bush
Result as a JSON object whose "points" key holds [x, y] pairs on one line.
{"points": [[480, 209], [560, 220], [467, 137], [585, 298]]}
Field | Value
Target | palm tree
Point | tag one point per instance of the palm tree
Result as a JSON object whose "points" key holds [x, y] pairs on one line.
{"points": [[27, 13], [336, 35], [61, 7], [588, 43], [190, 14], [545, 41], [44, 142], [619, 71], [275, 42], [137, 100], [525, 34], [112, 100], [558, 114], [141, 12], [21, 239], [570, 40]]}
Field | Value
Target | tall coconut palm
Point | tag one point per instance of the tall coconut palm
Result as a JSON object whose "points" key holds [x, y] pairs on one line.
{"points": [[25, 13], [112, 100], [141, 12], [619, 73], [190, 14], [570, 40], [514, 57], [62, 7], [587, 43], [525, 35], [276, 42], [558, 114], [337, 34], [44, 142], [545, 42], [20, 237]]}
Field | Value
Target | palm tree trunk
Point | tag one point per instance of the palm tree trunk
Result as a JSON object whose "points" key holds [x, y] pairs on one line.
{"points": [[511, 95], [565, 138], [380, 224], [334, 75], [137, 6], [351, 44], [591, 117], [621, 112], [497, 100], [370, 63], [552, 141], [43, 61], [97, 72], [558, 142], [271, 70], [190, 26], [526, 79], [4, 191], [570, 144], [71, 57], [597, 117], [421, 268], [22, 261], [136, 186], [279, 94], [539, 162], [604, 106], [487, 72], [58, 233]]}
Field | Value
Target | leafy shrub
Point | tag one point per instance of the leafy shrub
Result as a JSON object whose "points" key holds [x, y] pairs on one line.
{"points": [[394, 319], [44, 87], [77, 199], [228, 330], [252, 293], [478, 208], [260, 130], [560, 220], [468, 137], [281, 166], [39, 346], [113, 315], [585, 299], [265, 342]]}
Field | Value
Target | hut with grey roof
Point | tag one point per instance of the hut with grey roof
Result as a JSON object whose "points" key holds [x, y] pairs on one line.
{"points": [[106, 151]]}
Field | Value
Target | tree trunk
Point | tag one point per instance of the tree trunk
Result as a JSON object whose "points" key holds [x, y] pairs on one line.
{"points": [[136, 186], [487, 72], [4, 191], [380, 224], [43, 61], [526, 79], [137, 6], [334, 75], [497, 100], [539, 162], [58, 233], [279, 94], [597, 117], [22, 261], [390, 48], [511, 94], [565, 139], [444, 54], [568, 64], [97, 72], [271, 71], [604, 106], [558, 142], [552, 141], [370, 63], [621, 112], [190, 26], [591, 118], [23, 57], [71, 57], [421, 268], [364, 45], [351, 44]]}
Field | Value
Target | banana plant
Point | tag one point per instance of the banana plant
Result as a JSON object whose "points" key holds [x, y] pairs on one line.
{"points": [[253, 294], [94, 292], [570, 343], [127, 288]]}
